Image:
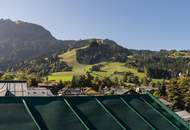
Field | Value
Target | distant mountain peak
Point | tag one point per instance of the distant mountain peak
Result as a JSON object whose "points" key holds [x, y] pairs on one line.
{"points": [[9, 21], [19, 22], [21, 40], [99, 50], [2, 20], [9, 30]]}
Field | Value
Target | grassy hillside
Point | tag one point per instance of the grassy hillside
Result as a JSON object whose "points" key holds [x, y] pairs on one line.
{"points": [[180, 54], [70, 58], [109, 68], [78, 69]]}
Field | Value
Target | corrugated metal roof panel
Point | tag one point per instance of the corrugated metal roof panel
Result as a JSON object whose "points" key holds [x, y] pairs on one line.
{"points": [[131, 112]]}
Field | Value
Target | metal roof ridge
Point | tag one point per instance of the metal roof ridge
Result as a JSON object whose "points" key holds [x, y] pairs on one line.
{"points": [[169, 111], [159, 113], [133, 109], [75, 113], [112, 116], [31, 115]]}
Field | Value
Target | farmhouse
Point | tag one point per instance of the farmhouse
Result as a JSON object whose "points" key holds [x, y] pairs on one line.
{"points": [[20, 88]]}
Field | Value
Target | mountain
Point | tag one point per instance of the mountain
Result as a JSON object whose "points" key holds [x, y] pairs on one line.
{"points": [[78, 55], [99, 50], [21, 40]]}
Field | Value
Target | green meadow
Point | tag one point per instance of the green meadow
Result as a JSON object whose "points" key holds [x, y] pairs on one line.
{"points": [[79, 69]]}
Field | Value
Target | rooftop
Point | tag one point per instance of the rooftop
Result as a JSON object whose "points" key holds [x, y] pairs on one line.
{"points": [[165, 102], [133, 112], [20, 88], [17, 88], [184, 114]]}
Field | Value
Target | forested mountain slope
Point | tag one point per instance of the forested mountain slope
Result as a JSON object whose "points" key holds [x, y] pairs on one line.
{"points": [[21, 40]]}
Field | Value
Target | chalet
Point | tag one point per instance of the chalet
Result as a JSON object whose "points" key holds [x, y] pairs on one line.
{"points": [[20, 88], [39, 91], [70, 91]]}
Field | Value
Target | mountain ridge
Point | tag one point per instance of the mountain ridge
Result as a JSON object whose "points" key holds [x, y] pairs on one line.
{"points": [[100, 50], [22, 40]]}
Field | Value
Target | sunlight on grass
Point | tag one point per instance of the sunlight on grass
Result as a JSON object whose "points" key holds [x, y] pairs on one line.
{"points": [[78, 69]]}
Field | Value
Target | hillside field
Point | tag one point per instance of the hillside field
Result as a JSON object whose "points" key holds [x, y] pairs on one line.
{"points": [[78, 69]]}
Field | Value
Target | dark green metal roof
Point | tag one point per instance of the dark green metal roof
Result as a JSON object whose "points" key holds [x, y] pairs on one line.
{"points": [[131, 112]]}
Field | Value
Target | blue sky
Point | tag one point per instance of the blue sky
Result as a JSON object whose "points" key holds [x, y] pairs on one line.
{"points": [[137, 24]]}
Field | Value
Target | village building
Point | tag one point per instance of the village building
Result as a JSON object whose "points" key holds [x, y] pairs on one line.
{"points": [[184, 115], [20, 88]]}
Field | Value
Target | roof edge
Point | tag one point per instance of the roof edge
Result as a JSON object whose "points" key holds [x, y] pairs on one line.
{"points": [[169, 111]]}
